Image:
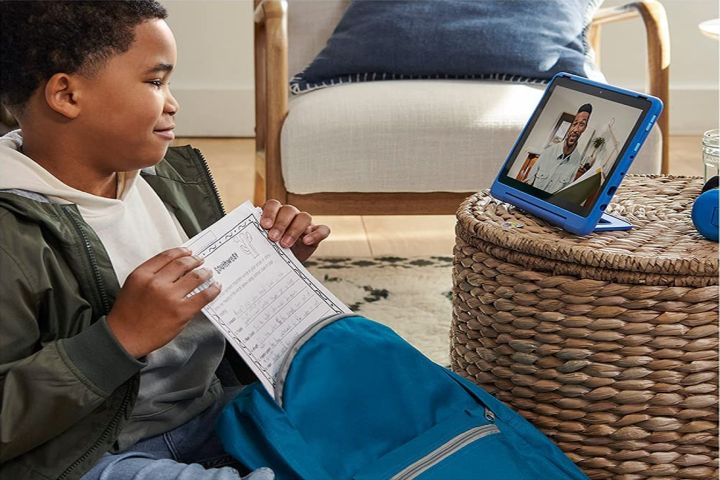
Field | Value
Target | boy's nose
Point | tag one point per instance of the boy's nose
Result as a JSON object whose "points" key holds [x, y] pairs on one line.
{"points": [[171, 105]]}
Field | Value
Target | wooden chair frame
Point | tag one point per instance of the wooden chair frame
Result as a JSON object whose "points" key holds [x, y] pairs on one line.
{"points": [[271, 108]]}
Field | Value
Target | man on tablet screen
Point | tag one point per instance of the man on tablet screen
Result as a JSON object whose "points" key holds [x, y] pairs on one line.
{"points": [[558, 163]]}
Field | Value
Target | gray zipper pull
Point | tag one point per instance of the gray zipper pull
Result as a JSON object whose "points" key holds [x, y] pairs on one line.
{"points": [[490, 416]]}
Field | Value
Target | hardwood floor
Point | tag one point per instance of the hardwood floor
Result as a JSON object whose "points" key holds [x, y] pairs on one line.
{"points": [[232, 162]]}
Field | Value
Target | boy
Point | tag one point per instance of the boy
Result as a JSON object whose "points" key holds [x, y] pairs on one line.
{"points": [[107, 368]]}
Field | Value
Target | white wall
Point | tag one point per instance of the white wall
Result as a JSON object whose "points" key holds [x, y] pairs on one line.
{"points": [[214, 77], [693, 62]]}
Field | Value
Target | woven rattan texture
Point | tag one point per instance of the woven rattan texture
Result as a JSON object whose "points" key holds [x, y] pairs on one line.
{"points": [[608, 343]]}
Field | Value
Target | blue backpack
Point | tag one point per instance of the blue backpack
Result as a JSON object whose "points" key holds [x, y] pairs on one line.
{"points": [[356, 401]]}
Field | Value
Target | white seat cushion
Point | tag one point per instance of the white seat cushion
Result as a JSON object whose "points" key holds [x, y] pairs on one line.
{"points": [[411, 136]]}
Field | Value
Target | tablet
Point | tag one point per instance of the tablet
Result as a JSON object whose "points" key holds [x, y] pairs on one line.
{"points": [[574, 151]]}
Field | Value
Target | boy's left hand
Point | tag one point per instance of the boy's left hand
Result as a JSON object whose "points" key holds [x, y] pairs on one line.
{"points": [[292, 228]]}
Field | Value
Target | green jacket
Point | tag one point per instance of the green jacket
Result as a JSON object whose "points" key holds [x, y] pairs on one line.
{"points": [[66, 385]]}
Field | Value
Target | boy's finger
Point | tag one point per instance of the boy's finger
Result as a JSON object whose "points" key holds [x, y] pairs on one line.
{"points": [[202, 298], [159, 261], [179, 267], [269, 212], [298, 226], [317, 235], [283, 219], [192, 279]]}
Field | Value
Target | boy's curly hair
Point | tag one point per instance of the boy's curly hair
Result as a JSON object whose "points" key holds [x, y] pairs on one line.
{"points": [[41, 38]]}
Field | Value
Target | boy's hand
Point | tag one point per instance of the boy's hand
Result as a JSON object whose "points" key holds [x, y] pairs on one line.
{"points": [[152, 307], [293, 228]]}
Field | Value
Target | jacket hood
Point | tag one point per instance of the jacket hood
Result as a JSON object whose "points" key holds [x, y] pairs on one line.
{"points": [[20, 172]]}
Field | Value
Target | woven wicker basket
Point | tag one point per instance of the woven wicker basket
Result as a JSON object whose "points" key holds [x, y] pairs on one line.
{"points": [[608, 343]]}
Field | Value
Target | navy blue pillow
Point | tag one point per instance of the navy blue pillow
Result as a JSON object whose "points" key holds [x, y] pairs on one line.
{"points": [[526, 40]]}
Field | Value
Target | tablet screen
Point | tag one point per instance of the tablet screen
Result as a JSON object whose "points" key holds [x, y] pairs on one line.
{"points": [[573, 144]]}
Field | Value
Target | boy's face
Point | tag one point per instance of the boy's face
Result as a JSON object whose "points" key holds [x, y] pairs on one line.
{"points": [[127, 108]]}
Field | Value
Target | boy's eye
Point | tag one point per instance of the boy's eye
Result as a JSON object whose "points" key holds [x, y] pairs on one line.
{"points": [[156, 83]]}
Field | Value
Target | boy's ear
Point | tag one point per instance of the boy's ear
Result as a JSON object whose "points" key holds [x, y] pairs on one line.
{"points": [[61, 95]]}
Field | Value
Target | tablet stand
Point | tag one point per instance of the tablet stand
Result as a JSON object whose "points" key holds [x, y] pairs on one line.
{"points": [[608, 223]]}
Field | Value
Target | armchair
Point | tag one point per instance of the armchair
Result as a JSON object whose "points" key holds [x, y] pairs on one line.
{"points": [[402, 146]]}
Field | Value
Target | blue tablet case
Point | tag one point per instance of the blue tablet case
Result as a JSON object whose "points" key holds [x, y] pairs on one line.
{"points": [[596, 220], [609, 223]]}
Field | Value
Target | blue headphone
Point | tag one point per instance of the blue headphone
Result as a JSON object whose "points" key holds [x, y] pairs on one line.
{"points": [[705, 210]]}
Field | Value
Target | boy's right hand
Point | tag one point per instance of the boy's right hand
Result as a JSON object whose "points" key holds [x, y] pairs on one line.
{"points": [[152, 307]]}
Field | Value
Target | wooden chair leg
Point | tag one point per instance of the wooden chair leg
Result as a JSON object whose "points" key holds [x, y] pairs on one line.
{"points": [[657, 34]]}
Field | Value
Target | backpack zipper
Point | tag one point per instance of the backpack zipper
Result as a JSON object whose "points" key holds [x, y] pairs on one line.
{"points": [[106, 306], [447, 449], [295, 347]]}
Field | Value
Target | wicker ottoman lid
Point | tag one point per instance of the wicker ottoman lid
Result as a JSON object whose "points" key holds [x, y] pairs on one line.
{"points": [[663, 248]]}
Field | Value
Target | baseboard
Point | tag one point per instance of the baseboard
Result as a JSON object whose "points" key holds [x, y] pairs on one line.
{"points": [[215, 112]]}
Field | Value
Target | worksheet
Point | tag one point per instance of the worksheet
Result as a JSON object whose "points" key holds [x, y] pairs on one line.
{"points": [[268, 298]]}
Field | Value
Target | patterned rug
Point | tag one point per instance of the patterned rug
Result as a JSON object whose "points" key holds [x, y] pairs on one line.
{"points": [[410, 295]]}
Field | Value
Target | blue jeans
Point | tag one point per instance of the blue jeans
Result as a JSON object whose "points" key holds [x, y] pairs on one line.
{"points": [[191, 451]]}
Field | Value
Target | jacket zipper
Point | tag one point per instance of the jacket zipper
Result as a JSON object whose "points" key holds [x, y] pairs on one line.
{"points": [[444, 451], [103, 436], [106, 306], [211, 181], [93, 262]]}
